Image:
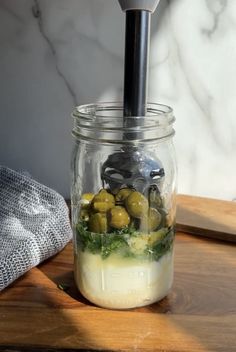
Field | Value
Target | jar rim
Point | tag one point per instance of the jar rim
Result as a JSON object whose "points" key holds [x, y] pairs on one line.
{"points": [[108, 117], [85, 110]]}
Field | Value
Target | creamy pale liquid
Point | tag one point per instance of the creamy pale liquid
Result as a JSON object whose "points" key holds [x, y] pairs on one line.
{"points": [[121, 283]]}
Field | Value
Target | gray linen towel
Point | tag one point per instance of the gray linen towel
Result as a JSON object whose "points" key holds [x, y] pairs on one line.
{"points": [[34, 224]]}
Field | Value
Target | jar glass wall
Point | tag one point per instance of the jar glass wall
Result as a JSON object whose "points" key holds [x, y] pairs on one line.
{"points": [[123, 204]]}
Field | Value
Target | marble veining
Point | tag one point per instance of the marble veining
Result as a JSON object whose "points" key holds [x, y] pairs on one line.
{"points": [[216, 8], [57, 54], [37, 13]]}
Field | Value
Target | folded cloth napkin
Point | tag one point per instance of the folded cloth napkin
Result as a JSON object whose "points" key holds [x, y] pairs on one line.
{"points": [[34, 224]]}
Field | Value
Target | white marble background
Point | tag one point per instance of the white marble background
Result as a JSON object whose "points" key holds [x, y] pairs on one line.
{"points": [[58, 53]]}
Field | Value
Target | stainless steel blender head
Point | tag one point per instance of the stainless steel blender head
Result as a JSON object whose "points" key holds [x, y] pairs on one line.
{"points": [[132, 167]]}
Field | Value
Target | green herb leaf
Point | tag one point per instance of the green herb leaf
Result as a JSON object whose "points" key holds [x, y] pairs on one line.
{"points": [[161, 247], [112, 243], [119, 241], [88, 240]]}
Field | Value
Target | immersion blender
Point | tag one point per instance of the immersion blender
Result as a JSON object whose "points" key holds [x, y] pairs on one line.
{"points": [[133, 168]]}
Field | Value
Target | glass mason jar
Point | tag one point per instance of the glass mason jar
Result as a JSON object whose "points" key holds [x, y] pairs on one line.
{"points": [[123, 204]]}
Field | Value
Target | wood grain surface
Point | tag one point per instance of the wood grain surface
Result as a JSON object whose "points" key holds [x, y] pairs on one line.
{"points": [[199, 314], [211, 218]]}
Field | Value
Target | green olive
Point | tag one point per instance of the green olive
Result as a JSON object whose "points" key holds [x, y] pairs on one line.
{"points": [[154, 219], [86, 200], [155, 200], [103, 201], [151, 221], [123, 194], [118, 217], [134, 224], [84, 215], [98, 223], [157, 236], [170, 219], [136, 205]]}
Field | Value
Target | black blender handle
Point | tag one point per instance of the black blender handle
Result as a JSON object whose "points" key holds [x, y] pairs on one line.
{"points": [[136, 64], [137, 40]]}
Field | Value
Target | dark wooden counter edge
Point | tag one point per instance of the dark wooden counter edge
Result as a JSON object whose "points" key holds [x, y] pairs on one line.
{"points": [[222, 236]]}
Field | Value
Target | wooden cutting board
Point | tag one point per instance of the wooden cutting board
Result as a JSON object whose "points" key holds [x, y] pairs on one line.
{"points": [[198, 315], [207, 217]]}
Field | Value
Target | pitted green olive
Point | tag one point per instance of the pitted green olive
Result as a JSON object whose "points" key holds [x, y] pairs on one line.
{"points": [[170, 219], [136, 205], [84, 215], [157, 236], [154, 219], [118, 217], [98, 223], [155, 200], [151, 221], [123, 194], [103, 201], [86, 200]]}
